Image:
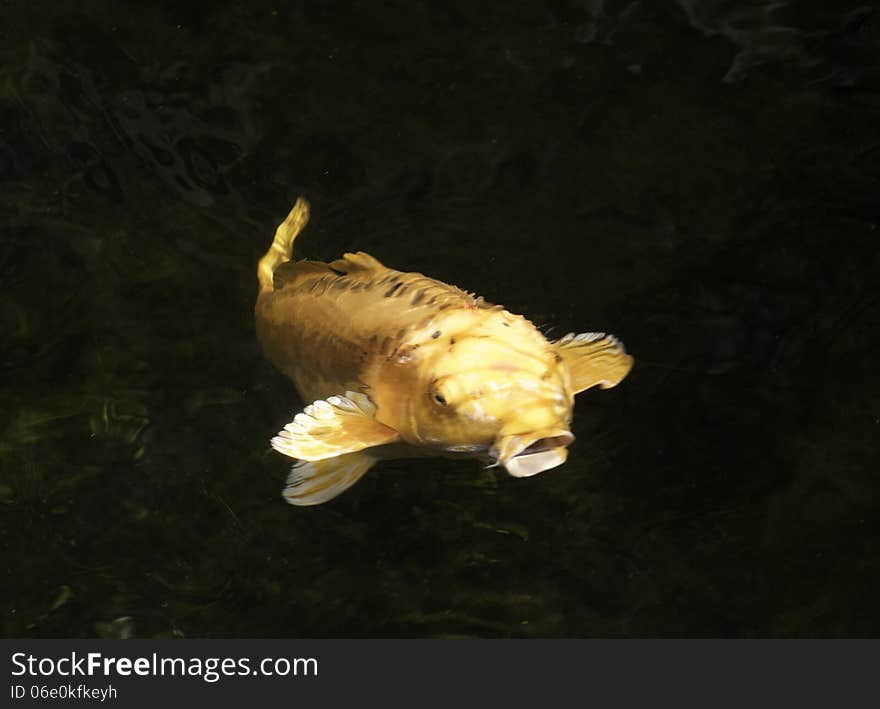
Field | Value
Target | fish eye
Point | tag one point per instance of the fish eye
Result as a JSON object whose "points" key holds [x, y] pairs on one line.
{"points": [[439, 398]]}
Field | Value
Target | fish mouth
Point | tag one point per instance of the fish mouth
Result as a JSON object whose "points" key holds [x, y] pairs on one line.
{"points": [[528, 454]]}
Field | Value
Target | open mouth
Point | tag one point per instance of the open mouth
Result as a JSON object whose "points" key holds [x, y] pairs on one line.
{"points": [[529, 454], [546, 444]]}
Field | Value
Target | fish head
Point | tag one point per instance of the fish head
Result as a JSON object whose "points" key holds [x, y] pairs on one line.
{"points": [[497, 389]]}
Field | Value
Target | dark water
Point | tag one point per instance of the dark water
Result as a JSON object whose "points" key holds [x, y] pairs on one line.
{"points": [[700, 177]]}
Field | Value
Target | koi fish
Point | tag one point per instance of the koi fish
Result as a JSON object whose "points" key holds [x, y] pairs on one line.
{"points": [[401, 365]]}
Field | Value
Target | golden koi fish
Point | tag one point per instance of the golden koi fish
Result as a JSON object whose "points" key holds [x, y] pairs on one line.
{"points": [[400, 365]]}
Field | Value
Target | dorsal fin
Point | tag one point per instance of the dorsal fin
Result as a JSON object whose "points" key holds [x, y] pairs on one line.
{"points": [[359, 261], [287, 273]]}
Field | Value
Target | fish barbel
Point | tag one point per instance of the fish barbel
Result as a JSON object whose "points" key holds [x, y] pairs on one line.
{"points": [[401, 365]]}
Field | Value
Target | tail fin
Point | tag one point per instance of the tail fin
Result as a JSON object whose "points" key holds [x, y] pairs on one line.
{"points": [[281, 249]]}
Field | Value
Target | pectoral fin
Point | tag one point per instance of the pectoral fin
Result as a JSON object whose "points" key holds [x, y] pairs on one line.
{"points": [[314, 482], [593, 358], [328, 428]]}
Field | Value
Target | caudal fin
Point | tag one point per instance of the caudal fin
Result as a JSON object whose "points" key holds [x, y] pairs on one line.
{"points": [[281, 249]]}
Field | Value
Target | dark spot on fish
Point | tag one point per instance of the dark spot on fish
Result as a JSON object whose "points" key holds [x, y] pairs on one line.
{"points": [[558, 357], [451, 340], [391, 290], [386, 345], [435, 334], [417, 298], [402, 290], [338, 272], [400, 333], [433, 300], [440, 399], [506, 324]]}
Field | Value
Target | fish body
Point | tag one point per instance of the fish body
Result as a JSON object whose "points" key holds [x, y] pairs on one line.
{"points": [[399, 364]]}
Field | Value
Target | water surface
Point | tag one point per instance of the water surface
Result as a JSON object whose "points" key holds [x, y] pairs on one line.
{"points": [[701, 178]]}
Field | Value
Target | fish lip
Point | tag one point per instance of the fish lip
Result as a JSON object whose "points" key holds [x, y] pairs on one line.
{"points": [[524, 455], [524, 466]]}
